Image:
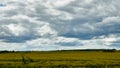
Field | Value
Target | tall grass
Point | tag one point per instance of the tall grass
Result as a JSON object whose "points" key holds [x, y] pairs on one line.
{"points": [[69, 59]]}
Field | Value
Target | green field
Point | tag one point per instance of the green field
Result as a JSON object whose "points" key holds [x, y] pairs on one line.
{"points": [[60, 59]]}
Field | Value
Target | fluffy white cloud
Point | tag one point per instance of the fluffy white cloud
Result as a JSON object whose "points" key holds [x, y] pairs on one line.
{"points": [[59, 24]]}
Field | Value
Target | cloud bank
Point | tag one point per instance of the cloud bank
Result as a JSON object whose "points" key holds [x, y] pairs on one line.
{"points": [[59, 24]]}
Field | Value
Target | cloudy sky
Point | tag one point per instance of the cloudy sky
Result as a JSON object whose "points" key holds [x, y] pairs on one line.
{"points": [[59, 24]]}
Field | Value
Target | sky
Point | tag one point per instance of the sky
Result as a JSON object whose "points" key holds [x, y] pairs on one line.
{"points": [[59, 24]]}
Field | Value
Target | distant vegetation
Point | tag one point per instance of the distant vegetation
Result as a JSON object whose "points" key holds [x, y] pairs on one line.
{"points": [[89, 58], [104, 50]]}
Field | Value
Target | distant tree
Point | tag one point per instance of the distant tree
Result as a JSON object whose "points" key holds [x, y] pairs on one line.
{"points": [[5, 51], [109, 50]]}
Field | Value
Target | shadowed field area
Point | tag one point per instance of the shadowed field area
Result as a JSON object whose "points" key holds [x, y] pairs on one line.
{"points": [[60, 59]]}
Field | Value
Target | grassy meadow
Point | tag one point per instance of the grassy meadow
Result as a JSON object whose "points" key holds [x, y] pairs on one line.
{"points": [[60, 59]]}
